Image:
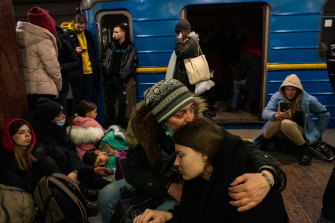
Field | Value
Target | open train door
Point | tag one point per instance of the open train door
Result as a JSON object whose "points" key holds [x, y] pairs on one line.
{"points": [[226, 31], [327, 39], [106, 20]]}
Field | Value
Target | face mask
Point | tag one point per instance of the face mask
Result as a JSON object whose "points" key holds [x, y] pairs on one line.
{"points": [[61, 122], [169, 132]]}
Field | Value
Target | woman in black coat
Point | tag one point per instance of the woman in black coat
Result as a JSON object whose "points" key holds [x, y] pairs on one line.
{"points": [[186, 46], [48, 121], [208, 160]]}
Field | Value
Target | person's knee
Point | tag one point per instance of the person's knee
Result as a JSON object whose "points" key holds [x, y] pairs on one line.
{"points": [[287, 126]]}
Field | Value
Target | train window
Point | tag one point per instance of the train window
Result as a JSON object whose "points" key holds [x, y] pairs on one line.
{"points": [[327, 33], [107, 20]]}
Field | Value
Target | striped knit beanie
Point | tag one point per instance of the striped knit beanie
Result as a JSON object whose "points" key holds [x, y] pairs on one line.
{"points": [[166, 98]]}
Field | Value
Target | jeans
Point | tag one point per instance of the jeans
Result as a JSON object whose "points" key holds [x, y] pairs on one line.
{"points": [[240, 85], [110, 195]]}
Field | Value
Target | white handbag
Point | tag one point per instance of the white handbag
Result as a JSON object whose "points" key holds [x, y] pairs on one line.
{"points": [[197, 68]]}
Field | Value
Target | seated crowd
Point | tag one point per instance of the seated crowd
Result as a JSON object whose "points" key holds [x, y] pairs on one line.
{"points": [[195, 170]]}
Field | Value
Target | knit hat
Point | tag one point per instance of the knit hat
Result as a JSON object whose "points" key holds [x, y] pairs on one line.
{"points": [[114, 140], [166, 98], [46, 110], [41, 18], [183, 26]]}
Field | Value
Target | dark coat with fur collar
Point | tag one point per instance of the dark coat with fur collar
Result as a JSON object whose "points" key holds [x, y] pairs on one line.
{"points": [[149, 161]]}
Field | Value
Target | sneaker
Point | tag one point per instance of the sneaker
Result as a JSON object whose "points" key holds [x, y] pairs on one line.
{"points": [[322, 150]]}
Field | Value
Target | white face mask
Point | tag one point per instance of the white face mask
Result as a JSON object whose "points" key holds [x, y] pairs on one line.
{"points": [[61, 122]]}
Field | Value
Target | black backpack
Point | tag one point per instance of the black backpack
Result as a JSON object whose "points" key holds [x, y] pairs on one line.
{"points": [[60, 200]]}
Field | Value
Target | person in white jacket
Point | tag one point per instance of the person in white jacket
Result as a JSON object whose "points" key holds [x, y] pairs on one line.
{"points": [[38, 50]]}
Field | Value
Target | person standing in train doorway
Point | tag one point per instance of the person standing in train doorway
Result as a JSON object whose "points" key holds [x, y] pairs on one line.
{"points": [[83, 81], [119, 62], [186, 46]]}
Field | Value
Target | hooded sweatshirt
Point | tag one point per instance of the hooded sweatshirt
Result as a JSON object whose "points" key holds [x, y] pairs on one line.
{"points": [[304, 102], [293, 81], [87, 67], [10, 173]]}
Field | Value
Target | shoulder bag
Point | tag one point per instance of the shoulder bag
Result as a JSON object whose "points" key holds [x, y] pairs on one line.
{"points": [[197, 68]]}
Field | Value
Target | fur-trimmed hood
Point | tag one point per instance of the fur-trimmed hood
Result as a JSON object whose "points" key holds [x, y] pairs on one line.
{"points": [[85, 130], [144, 130]]}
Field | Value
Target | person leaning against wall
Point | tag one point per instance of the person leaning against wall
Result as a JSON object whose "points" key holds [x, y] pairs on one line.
{"points": [[288, 116]]}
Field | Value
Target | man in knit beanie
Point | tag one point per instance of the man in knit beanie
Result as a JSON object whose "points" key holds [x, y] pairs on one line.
{"points": [[41, 18]]}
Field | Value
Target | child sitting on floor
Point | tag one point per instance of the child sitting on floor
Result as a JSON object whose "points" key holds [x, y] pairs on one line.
{"points": [[84, 131]]}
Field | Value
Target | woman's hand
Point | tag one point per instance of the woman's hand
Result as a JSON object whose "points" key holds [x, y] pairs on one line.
{"points": [[153, 216], [283, 115], [249, 190]]}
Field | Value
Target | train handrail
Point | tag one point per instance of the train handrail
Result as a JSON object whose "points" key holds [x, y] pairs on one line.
{"points": [[269, 67], [298, 66]]}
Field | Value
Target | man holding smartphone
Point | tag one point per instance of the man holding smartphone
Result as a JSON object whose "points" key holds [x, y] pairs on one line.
{"points": [[83, 80], [289, 118]]}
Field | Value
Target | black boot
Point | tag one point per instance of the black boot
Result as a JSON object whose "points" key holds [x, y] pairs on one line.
{"points": [[305, 158]]}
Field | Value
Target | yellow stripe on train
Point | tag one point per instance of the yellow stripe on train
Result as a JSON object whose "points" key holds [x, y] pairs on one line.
{"points": [[269, 67]]}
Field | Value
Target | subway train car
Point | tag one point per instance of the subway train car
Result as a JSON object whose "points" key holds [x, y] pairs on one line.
{"points": [[294, 37]]}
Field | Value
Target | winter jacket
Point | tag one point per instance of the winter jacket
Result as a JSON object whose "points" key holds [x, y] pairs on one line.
{"points": [[92, 57], [85, 133], [127, 66], [305, 102], [189, 49], [149, 161], [208, 201], [58, 145], [38, 49], [68, 58]]}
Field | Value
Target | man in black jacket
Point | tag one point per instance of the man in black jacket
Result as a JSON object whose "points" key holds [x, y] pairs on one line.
{"points": [[83, 79], [119, 61]]}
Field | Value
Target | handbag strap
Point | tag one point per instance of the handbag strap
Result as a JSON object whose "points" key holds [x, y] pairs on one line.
{"points": [[199, 49]]}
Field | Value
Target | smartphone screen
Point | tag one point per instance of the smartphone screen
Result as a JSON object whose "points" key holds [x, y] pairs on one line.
{"points": [[84, 50], [284, 106]]}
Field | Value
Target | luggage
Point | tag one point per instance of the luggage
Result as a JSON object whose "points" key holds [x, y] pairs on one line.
{"points": [[59, 199]]}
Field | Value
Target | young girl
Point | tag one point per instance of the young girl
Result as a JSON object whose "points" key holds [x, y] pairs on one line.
{"points": [[83, 130], [16, 165]]}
